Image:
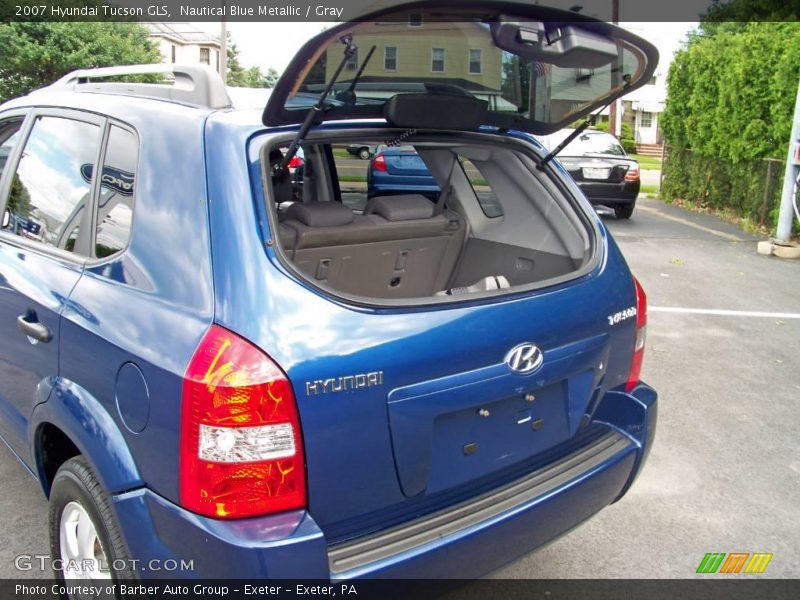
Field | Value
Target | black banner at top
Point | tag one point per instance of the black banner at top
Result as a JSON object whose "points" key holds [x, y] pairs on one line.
{"points": [[332, 11]]}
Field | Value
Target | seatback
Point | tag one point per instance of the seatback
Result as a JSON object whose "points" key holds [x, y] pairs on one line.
{"points": [[398, 249]]}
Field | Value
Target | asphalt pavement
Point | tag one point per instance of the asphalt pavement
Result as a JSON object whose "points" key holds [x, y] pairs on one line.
{"points": [[724, 473]]}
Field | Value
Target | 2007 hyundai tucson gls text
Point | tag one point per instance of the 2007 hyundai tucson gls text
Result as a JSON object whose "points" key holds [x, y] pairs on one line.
{"points": [[203, 359]]}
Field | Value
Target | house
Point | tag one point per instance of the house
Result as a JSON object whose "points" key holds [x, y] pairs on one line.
{"points": [[456, 54], [185, 43], [642, 109]]}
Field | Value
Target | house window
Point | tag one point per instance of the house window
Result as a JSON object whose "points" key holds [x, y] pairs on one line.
{"points": [[205, 56], [475, 61], [216, 59], [584, 76], [174, 52], [352, 62], [390, 58], [415, 20], [647, 120], [437, 60]]}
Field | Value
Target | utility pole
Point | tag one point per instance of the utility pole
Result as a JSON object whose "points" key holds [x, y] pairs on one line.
{"points": [[223, 48], [612, 110], [786, 215]]}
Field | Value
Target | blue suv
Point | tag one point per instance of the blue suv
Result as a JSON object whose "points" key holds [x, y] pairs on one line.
{"points": [[203, 361]]}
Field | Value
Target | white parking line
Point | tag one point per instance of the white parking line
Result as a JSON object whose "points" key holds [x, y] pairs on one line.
{"points": [[723, 313]]}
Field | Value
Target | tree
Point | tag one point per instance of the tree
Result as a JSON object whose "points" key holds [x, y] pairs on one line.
{"points": [[271, 78], [239, 76], [19, 199], [34, 54], [730, 100]]}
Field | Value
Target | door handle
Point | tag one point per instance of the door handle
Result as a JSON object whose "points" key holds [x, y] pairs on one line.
{"points": [[35, 330]]}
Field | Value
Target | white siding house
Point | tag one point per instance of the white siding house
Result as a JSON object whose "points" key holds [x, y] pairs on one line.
{"points": [[185, 43]]}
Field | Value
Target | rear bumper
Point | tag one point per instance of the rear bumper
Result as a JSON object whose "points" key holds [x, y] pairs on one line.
{"points": [[377, 188], [464, 541], [624, 192]]}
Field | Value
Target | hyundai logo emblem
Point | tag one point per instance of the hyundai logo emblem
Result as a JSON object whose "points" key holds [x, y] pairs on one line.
{"points": [[524, 358]]}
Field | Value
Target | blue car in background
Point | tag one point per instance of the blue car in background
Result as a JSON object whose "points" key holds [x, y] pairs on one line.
{"points": [[399, 170], [207, 366]]}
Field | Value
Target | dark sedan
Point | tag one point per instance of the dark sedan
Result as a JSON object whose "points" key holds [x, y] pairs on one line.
{"points": [[602, 169]]}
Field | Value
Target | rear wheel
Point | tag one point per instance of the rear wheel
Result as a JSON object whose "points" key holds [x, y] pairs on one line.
{"points": [[363, 153], [85, 542], [624, 211]]}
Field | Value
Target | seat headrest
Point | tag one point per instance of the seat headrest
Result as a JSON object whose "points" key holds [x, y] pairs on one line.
{"points": [[320, 214], [404, 207]]}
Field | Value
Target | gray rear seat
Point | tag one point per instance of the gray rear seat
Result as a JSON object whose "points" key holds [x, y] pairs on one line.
{"points": [[398, 249]]}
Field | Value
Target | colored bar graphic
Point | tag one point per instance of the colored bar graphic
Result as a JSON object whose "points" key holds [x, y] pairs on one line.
{"points": [[758, 562], [711, 562], [735, 562]]}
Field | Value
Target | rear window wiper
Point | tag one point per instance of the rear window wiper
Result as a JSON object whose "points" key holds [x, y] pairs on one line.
{"points": [[590, 120], [316, 110]]}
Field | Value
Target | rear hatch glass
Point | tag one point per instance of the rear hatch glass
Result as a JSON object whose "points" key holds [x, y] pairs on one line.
{"points": [[533, 69]]}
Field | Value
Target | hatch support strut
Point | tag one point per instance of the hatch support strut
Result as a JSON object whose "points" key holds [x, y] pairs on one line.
{"points": [[316, 110]]}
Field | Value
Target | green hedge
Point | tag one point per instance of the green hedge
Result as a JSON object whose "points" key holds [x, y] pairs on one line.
{"points": [[738, 187], [730, 101]]}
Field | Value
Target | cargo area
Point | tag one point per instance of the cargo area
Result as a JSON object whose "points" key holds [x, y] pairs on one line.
{"points": [[430, 220]]}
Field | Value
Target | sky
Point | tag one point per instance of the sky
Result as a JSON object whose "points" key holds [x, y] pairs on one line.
{"points": [[273, 44]]}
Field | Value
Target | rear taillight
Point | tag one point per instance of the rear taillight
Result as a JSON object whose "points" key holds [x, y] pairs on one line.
{"points": [[641, 335], [241, 449], [379, 163], [633, 173], [295, 162]]}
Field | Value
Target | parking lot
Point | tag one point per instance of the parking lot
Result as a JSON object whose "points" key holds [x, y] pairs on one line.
{"points": [[724, 474]]}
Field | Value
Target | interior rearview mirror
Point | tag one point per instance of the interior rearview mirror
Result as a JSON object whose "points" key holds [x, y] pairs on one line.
{"points": [[6, 218], [567, 46]]}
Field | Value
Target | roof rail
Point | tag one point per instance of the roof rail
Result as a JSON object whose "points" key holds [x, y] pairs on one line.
{"points": [[196, 85]]}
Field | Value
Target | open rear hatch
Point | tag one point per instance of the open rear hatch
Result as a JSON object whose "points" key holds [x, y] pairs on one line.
{"points": [[473, 390]]}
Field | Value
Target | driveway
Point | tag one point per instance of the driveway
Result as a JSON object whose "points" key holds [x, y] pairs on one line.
{"points": [[724, 472]]}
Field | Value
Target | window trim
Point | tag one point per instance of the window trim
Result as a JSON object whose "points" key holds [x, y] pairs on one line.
{"points": [[33, 113], [469, 62], [444, 60], [396, 58]]}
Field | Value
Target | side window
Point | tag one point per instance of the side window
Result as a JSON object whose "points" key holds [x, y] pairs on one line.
{"points": [[52, 184], [115, 206], [483, 190]]}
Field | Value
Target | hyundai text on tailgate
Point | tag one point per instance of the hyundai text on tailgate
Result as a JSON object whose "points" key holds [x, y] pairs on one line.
{"points": [[205, 358]]}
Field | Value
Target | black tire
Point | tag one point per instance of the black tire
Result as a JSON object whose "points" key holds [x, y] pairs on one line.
{"points": [[75, 481], [624, 211], [363, 153]]}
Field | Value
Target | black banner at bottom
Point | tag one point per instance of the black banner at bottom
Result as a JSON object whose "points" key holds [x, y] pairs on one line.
{"points": [[508, 589]]}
